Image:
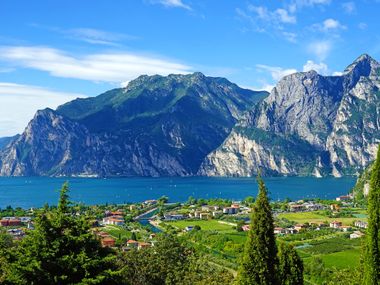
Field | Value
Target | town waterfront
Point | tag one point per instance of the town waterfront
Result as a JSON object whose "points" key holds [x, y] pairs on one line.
{"points": [[28, 192]]}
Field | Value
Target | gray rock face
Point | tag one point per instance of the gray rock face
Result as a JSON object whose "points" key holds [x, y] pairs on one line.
{"points": [[156, 126], [309, 125]]}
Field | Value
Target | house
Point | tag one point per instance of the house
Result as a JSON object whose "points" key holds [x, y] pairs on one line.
{"points": [[195, 214], [297, 208], [356, 234], [246, 228], [16, 233], [361, 224], [25, 219], [313, 206], [152, 236], [10, 221], [174, 217], [205, 208], [335, 224], [299, 227], [343, 198], [345, 228], [132, 243], [132, 208], [279, 231], [290, 231], [230, 210], [108, 242], [334, 207], [216, 213], [117, 213], [204, 216], [113, 220], [235, 205], [143, 245]]}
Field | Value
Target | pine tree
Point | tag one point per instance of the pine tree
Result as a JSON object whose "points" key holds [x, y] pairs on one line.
{"points": [[259, 262], [372, 247], [290, 269], [62, 250]]}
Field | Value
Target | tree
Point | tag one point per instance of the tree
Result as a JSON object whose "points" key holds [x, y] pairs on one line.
{"points": [[259, 261], [372, 246], [62, 250], [165, 263], [290, 269]]}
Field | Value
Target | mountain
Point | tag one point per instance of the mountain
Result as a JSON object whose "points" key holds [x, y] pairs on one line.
{"points": [[309, 125], [4, 141], [361, 188], [156, 126]]}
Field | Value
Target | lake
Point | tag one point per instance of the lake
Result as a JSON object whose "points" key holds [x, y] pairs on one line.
{"points": [[29, 192]]}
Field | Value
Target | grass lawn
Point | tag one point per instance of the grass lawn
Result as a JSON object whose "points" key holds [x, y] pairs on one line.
{"points": [[338, 252], [206, 225], [116, 231], [237, 237], [343, 259], [314, 217]]}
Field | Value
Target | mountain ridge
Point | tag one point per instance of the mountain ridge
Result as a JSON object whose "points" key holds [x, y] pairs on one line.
{"points": [[335, 117], [156, 126]]}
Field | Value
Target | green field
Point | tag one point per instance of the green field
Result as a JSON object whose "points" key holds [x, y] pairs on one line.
{"points": [[343, 259], [206, 225], [115, 231], [338, 252], [316, 217]]}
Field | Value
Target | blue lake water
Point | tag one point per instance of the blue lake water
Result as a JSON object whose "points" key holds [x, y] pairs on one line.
{"points": [[28, 192]]}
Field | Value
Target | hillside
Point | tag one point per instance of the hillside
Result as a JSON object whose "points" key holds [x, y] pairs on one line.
{"points": [[309, 125], [156, 126]]}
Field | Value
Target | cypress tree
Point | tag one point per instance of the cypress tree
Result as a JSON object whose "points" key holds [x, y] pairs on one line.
{"points": [[290, 269], [259, 262], [372, 247]]}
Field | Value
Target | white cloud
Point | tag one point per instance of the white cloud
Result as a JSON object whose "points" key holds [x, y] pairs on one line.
{"points": [[349, 7], [285, 17], [321, 68], [173, 3], [276, 72], [337, 73], [103, 67], [328, 26], [272, 17], [320, 49], [263, 87], [363, 26], [310, 3], [291, 37], [95, 36], [18, 103], [332, 24], [296, 5]]}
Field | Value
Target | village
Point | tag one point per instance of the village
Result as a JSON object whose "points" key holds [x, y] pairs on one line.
{"points": [[134, 226]]}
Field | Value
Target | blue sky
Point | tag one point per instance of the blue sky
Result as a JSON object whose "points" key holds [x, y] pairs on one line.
{"points": [[55, 51]]}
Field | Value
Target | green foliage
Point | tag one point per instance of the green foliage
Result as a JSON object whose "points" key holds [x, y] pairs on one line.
{"points": [[61, 250], [290, 269], [259, 261], [372, 247], [170, 262]]}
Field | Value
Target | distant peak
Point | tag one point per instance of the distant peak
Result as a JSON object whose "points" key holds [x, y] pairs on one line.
{"points": [[198, 74], [364, 57], [364, 64]]}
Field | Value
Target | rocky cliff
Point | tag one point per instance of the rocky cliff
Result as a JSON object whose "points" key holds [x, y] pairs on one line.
{"points": [[156, 126], [309, 125]]}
